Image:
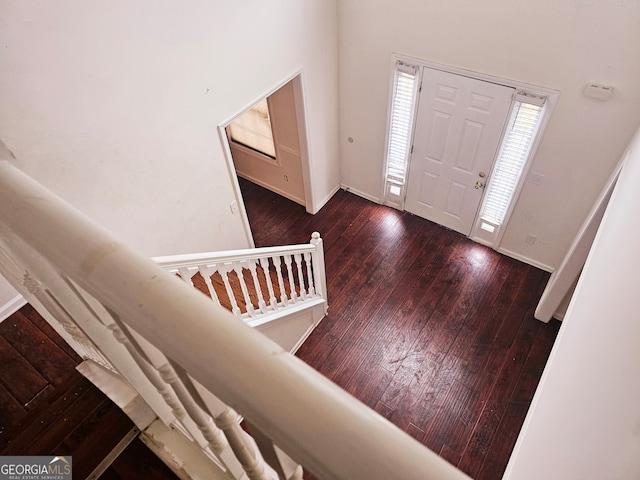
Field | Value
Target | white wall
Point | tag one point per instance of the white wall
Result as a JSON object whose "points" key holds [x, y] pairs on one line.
{"points": [[115, 105], [560, 45], [584, 422]]}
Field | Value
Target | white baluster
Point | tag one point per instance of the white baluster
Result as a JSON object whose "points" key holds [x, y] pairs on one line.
{"points": [[298, 474], [298, 259], [227, 420], [204, 422], [186, 273], [292, 284], [264, 263], [224, 271], [277, 262], [87, 349], [150, 372], [252, 465], [238, 268], [269, 454], [307, 261], [256, 284], [206, 273]]}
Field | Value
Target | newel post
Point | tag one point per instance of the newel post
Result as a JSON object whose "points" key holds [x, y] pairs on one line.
{"points": [[319, 275]]}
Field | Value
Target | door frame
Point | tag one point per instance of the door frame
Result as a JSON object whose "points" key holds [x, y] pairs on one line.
{"points": [[303, 135], [550, 94], [493, 122]]}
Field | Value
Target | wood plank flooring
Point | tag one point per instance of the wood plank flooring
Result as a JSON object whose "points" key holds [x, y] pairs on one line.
{"points": [[35, 363], [432, 331], [428, 328], [48, 408]]}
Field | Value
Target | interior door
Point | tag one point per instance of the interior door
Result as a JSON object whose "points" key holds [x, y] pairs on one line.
{"points": [[457, 134]]}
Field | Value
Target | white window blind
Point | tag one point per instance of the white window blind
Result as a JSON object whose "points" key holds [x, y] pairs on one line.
{"points": [[400, 127], [253, 129], [516, 145]]}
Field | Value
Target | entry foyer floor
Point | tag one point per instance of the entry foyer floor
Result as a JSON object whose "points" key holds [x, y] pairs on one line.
{"points": [[431, 330]]}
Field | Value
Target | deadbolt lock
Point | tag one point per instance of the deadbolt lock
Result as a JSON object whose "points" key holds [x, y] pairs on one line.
{"points": [[482, 174]]}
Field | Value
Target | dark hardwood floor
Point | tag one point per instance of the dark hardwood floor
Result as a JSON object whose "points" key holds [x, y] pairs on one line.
{"points": [[431, 330], [36, 364], [48, 408]]}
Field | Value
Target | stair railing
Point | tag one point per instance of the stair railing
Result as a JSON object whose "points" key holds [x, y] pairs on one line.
{"points": [[205, 358], [256, 284]]}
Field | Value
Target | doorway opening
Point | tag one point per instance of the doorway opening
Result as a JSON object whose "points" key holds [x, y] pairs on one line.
{"points": [[266, 144]]}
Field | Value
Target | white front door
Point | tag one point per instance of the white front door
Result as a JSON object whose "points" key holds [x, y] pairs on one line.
{"points": [[457, 134]]}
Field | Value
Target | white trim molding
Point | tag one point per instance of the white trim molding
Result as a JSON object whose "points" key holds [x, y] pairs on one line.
{"points": [[525, 259], [360, 193], [11, 307]]}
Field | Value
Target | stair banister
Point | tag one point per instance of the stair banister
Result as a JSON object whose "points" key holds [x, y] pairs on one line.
{"points": [[195, 259], [297, 271], [314, 421]]}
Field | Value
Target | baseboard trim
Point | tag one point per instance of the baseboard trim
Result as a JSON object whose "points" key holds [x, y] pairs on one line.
{"points": [[257, 181], [504, 251], [361, 194], [325, 200], [11, 307], [525, 259]]}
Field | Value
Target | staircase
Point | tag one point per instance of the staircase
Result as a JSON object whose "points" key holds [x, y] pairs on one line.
{"points": [[280, 291], [185, 369]]}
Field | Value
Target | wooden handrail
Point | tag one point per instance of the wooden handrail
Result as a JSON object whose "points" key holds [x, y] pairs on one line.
{"points": [[314, 421]]}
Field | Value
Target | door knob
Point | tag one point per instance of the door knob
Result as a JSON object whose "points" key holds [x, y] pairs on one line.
{"points": [[479, 184]]}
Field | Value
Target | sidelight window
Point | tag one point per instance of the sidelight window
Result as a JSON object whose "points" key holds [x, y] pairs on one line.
{"points": [[524, 122], [405, 89]]}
